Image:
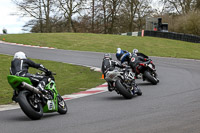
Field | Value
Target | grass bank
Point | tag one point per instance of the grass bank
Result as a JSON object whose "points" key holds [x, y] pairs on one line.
{"points": [[108, 43], [69, 78]]}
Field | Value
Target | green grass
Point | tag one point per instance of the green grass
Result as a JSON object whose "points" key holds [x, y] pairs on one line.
{"points": [[108, 43], [69, 78]]}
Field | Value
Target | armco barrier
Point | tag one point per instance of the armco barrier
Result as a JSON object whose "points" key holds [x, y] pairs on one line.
{"points": [[173, 35]]}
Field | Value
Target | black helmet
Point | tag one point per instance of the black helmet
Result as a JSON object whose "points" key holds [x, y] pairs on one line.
{"points": [[107, 55]]}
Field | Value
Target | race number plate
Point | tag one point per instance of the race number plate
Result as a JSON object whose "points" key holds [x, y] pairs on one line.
{"points": [[132, 59], [51, 105]]}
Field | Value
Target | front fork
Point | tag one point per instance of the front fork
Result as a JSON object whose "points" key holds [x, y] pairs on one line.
{"points": [[131, 85]]}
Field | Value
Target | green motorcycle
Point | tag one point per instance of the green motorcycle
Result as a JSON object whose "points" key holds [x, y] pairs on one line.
{"points": [[32, 102]]}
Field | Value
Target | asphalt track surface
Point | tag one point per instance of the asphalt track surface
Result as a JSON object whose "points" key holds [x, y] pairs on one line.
{"points": [[172, 106]]}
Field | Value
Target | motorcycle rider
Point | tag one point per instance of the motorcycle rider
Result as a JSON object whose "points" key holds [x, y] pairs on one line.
{"points": [[19, 67], [136, 51], [123, 55], [142, 56], [135, 57], [109, 65]]}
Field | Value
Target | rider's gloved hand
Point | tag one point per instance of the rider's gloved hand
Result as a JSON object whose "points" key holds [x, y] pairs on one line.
{"points": [[124, 65], [49, 72]]}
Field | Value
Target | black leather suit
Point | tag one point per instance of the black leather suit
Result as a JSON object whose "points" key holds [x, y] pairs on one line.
{"points": [[109, 65], [19, 67]]}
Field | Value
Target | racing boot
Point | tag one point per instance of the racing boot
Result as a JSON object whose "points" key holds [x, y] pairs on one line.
{"points": [[14, 97], [138, 76], [110, 87], [137, 90]]}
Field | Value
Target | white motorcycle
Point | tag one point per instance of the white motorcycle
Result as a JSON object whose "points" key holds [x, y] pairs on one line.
{"points": [[123, 82]]}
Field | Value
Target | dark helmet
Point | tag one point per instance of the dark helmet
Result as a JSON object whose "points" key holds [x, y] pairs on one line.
{"points": [[107, 55]]}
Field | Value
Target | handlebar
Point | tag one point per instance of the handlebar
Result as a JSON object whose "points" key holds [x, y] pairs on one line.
{"points": [[43, 73], [126, 68], [53, 73]]}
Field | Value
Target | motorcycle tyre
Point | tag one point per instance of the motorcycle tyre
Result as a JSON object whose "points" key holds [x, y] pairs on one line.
{"points": [[60, 109], [122, 90], [27, 108], [150, 78]]}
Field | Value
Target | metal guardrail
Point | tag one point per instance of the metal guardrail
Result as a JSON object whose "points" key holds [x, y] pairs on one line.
{"points": [[173, 35]]}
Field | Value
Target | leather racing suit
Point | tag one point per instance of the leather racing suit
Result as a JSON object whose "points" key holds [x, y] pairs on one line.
{"points": [[19, 67]]}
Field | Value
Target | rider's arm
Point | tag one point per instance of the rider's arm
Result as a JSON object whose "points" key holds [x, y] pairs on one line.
{"points": [[142, 59], [117, 64], [102, 67], [37, 66], [125, 57]]}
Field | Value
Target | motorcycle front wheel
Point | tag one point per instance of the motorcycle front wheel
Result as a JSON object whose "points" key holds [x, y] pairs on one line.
{"points": [[62, 106], [150, 78], [33, 110], [122, 90]]}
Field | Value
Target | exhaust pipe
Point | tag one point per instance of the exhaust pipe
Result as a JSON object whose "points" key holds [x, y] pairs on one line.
{"points": [[30, 88]]}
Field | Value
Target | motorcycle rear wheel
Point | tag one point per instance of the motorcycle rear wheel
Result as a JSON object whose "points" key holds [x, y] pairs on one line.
{"points": [[34, 112], [122, 90]]}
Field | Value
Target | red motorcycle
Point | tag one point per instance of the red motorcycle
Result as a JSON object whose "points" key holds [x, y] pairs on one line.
{"points": [[145, 68]]}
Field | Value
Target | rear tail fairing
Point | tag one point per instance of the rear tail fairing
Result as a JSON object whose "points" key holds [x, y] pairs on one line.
{"points": [[113, 75], [16, 81]]}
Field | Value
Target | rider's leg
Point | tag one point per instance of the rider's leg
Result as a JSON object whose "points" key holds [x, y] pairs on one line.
{"points": [[43, 80], [110, 86], [41, 87]]}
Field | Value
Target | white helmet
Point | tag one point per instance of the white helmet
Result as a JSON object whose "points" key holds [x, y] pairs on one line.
{"points": [[135, 51], [20, 55], [119, 50]]}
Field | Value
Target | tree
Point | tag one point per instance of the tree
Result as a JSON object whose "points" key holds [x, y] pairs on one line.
{"points": [[105, 15], [197, 7], [135, 12], [114, 6], [129, 9], [93, 15], [143, 9], [47, 7], [36, 9], [181, 6], [188, 23], [69, 8], [182, 16], [97, 16]]}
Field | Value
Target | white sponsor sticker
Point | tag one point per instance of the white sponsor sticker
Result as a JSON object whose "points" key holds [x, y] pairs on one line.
{"points": [[51, 105], [132, 59], [150, 65]]}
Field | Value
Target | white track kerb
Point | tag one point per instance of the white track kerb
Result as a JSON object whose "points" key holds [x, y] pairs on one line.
{"points": [[26, 45], [99, 89]]}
